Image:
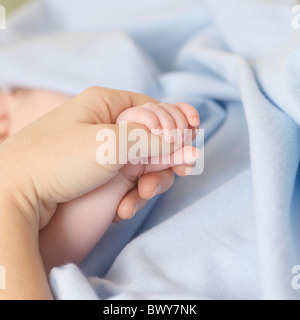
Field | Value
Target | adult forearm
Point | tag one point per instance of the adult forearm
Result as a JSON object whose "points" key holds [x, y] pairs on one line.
{"points": [[22, 272], [23, 275]]}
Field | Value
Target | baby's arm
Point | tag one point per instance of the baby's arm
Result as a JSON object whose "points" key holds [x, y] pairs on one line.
{"points": [[78, 225]]}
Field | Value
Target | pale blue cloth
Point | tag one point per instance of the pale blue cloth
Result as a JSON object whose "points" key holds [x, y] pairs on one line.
{"points": [[232, 232]]}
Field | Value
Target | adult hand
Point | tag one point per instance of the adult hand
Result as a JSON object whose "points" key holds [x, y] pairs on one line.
{"points": [[51, 161], [47, 152]]}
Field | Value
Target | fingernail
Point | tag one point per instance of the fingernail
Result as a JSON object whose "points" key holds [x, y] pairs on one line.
{"points": [[196, 120], [158, 131], [190, 158], [135, 210], [157, 191], [170, 138]]}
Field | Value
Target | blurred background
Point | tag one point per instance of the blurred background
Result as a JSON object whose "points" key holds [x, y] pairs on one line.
{"points": [[11, 5]]}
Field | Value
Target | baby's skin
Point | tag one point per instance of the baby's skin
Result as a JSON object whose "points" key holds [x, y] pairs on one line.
{"points": [[79, 224]]}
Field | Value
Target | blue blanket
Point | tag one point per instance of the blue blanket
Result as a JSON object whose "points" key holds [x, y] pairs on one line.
{"points": [[231, 232]]}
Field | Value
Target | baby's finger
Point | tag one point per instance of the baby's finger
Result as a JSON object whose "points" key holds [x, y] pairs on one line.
{"points": [[179, 118], [184, 156], [166, 120], [190, 113], [141, 116]]}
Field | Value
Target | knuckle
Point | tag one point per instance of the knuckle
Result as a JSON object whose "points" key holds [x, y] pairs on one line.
{"points": [[169, 123], [137, 114], [92, 90], [150, 105], [166, 105]]}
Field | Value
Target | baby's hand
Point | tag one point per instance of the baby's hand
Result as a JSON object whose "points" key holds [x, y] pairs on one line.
{"points": [[169, 120], [176, 124]]}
